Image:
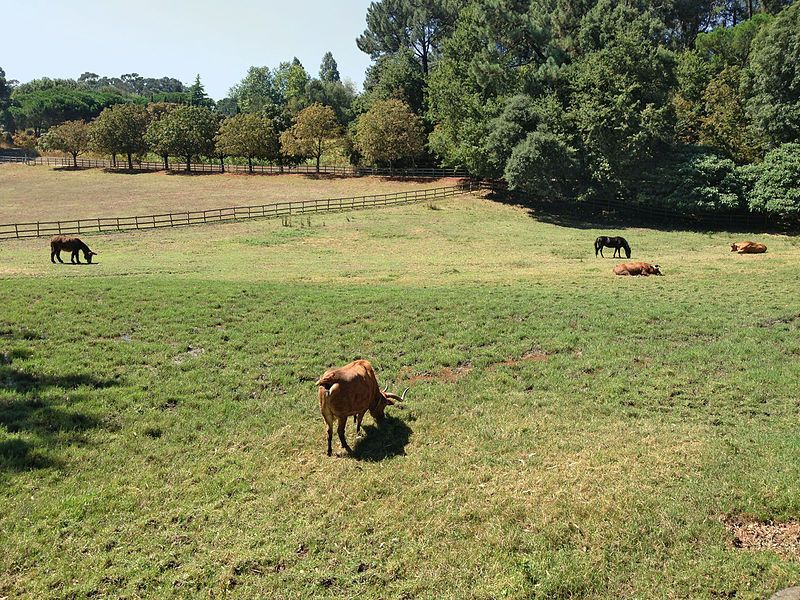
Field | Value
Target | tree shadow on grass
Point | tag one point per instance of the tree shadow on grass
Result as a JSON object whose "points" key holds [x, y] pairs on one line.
{"points": [[72, 168], [185, 173], [383, 441], [612, 215], [42, 425], [134, 171]]}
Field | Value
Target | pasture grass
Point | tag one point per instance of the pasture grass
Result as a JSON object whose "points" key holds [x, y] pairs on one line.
{"points": [[39, 193], [567, 434]]}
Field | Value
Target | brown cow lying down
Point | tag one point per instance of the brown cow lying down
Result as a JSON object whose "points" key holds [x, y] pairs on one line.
{"points": [[70, 244], [748, 247], [352, 390], [637, 268]]}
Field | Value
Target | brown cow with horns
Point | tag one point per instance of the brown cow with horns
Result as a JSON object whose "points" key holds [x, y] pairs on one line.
{"points": [[352, 390]]}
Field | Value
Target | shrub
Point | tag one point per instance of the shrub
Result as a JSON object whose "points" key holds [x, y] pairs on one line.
{"points": [[776, 183]]}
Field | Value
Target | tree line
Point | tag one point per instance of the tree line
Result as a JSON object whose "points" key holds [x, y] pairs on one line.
{"points": [[694, 104]]}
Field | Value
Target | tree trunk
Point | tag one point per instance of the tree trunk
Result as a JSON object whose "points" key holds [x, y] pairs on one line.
{"points": [[75, 159], [166, 162], [222, 163], [749, 9], [318, 157], [114, 159], [188, 163], [250, 164], [130, 162]]}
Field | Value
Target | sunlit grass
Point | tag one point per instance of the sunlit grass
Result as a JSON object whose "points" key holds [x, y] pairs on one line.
{"points": [[567, 433]]}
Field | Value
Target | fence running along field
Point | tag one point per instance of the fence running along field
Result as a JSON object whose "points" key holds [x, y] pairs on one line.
{"points": [[232, 213], [341, 171]]}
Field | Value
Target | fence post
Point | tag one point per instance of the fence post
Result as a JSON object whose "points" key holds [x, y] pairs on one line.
{"points": [[16, 230], [37, 229]]}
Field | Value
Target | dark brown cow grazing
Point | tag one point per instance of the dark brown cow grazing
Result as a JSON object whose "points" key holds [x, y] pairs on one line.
{"points": [[70, 244], [637, 268], [352, 390], [748, 247]]}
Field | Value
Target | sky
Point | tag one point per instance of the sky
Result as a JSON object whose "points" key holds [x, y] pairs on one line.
{"points": [[219, 39]]}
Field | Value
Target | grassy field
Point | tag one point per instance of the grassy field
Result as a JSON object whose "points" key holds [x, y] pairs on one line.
{"points": [[567, 434], [38, 193]]}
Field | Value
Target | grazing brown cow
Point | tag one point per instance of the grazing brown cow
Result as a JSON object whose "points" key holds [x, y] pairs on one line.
{"points": [[637, 268], [70, 244], [748, 247], [352, 390]]}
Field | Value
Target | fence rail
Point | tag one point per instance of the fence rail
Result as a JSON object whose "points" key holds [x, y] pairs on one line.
{"points": [[231, 213], [342, 171]]}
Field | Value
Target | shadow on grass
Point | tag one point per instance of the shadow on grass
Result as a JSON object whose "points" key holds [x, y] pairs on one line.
{"points": [[72, 168], [45, 426], [121, 171], [383, 441], [584, 215], [184, 173]]}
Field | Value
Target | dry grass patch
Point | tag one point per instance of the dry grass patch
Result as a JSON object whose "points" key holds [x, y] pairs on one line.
{"points": [[45, 194]]}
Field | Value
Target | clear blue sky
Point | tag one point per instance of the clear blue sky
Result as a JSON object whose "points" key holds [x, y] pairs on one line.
{"points": [[219, 39]]}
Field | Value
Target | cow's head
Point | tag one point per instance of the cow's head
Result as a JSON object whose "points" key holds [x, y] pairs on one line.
{"points": [[88, 254], [655, 270], [734, 248], [385, 399]]}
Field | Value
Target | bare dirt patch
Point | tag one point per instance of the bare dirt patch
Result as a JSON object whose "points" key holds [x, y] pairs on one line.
{"points": [[781, 538], [443, 375]]}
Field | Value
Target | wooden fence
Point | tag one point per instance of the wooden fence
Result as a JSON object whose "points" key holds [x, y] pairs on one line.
{"points": [[232, 213], [341, 171]]}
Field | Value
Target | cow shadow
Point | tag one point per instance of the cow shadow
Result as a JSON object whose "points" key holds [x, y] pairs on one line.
{"points": [[383, 441], [42, 425]]}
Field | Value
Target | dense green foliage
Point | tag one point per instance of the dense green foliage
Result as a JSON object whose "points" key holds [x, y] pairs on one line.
{"points": [[121, 129], [73, 137], [313, 131], [249, 135], [388, 133], [776, 182], [185, 131], [581, 99]]}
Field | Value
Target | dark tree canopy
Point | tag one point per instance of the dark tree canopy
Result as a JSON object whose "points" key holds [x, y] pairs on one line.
{"points": [[421, 27], [329, 70]]}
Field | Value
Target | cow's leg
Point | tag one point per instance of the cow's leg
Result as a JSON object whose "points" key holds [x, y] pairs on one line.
{"points": [[53, 256], [58, 256], [76, 255], [601, 252], [342, 425], [329, 423], [359, 417]]}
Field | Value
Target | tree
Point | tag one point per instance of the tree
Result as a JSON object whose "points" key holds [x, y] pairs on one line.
{"points": [[417, 26], [620, 92], [185, 131], [389, 132], [121, 129], [313, 129], [725, 124], [25, 140], [329, 70], [198, 96], [248, 135], [257, 92], [154, 136], [777, 183], [774, 78], [5, 102], [73, 137], [291, 79], [395, 76], [42, 103]]}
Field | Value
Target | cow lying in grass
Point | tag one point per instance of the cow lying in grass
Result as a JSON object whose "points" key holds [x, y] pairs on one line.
{"points": [[348, 391], [748, 247], [70, 244], [637, 268]]}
